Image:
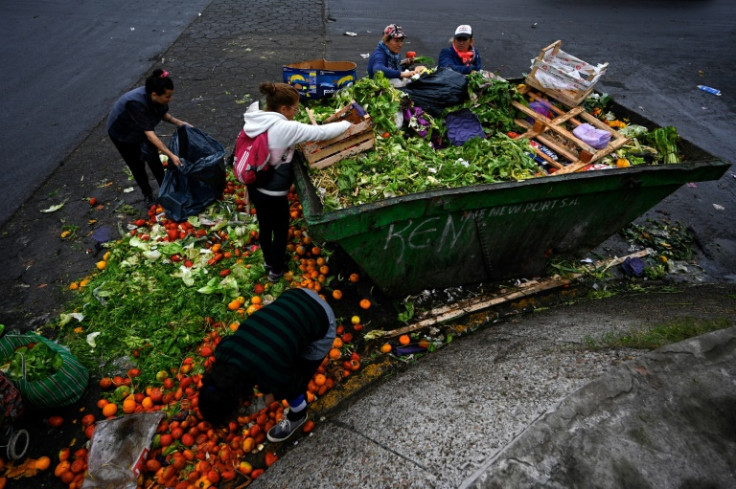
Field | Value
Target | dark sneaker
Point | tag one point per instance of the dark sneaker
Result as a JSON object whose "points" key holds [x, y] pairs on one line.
{"points": [[274, 276], [149, 201], [285, 429]]}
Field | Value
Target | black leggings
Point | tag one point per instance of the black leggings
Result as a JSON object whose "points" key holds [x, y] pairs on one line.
{"points": [[273, 227], [136, 156]]}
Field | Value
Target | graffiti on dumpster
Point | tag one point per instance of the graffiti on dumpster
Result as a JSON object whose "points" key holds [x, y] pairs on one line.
{"points": [[442, 233]]}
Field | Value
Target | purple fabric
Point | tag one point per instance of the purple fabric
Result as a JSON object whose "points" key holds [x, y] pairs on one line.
{"points": [[463, 125]]}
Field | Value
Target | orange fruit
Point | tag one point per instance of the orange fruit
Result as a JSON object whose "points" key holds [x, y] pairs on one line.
{"points": [[334, 354], [337, 294], [67, 476], [105, 382], [385, 348], [62, 467], [147, 403], [110, 409], [129, 405], [365, 304], [337, 343], [404, 339], [42, 463], [354, 277], [320, 379]]}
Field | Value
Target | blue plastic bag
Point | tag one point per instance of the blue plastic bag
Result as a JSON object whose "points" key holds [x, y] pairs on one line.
{"points": [[200, 180]]}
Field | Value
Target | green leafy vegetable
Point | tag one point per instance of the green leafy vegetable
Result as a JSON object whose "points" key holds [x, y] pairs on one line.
{"points": [[665, 140], [39, 360]]}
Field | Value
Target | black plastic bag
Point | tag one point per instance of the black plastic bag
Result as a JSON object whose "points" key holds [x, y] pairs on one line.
{"points": [[200, 180], [437, 91]]}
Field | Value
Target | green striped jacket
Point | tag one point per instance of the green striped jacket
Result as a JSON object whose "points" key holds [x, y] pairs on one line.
{"points": [[269, 343]]}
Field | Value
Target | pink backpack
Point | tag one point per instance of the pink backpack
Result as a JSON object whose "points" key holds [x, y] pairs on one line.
{"points": [[251, 158]]}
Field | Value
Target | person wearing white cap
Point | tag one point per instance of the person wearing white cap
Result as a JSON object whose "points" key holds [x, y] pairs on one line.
{"points": [[386, 58], [461, 56]]}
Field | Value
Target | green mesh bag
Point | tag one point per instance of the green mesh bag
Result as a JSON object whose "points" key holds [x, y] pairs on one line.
{"points": [[63, 387]]}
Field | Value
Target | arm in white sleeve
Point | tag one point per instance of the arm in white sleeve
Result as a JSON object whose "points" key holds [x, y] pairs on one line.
{"points": [[291, 133]]}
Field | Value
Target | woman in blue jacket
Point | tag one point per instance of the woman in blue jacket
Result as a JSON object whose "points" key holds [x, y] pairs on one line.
{"points": [[461, 56], [386, 56]]}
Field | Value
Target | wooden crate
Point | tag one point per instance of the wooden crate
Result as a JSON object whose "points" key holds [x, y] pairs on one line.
{"points": [[549, 59], [578, 153], [357, 139]]}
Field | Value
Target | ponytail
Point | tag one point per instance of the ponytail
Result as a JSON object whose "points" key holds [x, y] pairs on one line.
{"points": [[159, 82]]}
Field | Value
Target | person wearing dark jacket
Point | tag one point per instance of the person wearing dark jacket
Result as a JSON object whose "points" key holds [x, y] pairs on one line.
{"points": [[131, 125], [461, 56], [278, 349], [284, 133], [386, 58]]}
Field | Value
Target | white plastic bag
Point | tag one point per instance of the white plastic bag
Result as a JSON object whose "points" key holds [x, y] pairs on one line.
{"points": [[119, 449], [566, 72]]}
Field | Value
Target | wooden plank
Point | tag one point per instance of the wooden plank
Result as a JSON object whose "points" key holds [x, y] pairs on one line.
{"points": [[366, 145], [548, 159], [547, 141], [572, 168], [314, 151], [452, 312], [340, 146]]}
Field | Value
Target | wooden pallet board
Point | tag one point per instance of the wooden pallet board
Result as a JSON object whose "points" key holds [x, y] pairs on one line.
{"points": [[357, 139], [577, 152], [570, 98]]}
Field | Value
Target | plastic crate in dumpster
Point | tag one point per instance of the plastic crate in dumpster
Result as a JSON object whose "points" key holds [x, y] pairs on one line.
{"points": [[319, 78], [493, 232]]}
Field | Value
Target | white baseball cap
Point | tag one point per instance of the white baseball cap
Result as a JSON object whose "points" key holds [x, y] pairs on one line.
{"points": [[463, 30]]}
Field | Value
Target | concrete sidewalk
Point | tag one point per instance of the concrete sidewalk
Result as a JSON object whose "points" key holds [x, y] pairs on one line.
{"points": [[506, 406], [524, 403]]}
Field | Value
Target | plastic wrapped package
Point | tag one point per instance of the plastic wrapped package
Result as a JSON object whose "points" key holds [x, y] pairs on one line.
{"points": [[119, 450]]}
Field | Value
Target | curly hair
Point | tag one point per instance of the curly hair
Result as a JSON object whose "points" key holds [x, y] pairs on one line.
{"points": [[224, 388]]}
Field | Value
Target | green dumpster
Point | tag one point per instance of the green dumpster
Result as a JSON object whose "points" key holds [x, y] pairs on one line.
{"points": [[497, 231]]}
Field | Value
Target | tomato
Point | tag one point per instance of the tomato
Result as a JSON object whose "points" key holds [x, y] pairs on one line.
{"points": [[55, 421], [271, 458]]}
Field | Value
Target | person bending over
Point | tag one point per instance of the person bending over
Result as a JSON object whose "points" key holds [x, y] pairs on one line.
{"points": [[278, 349]]}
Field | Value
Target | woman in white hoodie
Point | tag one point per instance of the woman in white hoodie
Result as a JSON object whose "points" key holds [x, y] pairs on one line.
{"points": [[284, 133]]}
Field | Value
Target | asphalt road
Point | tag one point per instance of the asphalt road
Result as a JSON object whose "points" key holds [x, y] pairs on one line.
{"points": [[64, 64]]}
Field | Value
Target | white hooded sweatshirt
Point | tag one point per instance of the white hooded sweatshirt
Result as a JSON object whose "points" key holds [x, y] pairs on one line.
{"points": [[283, 136]]}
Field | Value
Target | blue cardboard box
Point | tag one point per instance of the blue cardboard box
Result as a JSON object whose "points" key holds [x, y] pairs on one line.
{"points": [[319, 78]]}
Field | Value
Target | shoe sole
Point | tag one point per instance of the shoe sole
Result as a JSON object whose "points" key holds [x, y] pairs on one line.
{"points": [[276, 440]]}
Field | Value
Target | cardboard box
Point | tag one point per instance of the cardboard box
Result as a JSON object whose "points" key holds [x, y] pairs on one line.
{"points": [[319, 78]]}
